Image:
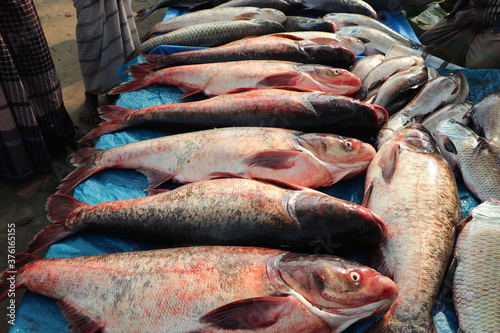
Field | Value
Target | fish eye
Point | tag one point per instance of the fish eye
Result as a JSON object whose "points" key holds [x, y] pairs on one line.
{"points": [[348, 145], [355, 276]]}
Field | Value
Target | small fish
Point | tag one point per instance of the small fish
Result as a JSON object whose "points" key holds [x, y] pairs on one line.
{"points": [[433, 95], [238, 76], [257, 48], [206, 289], [473, 156], [476, 284], [364, 65], [213, 33], [322, 37], [352, 19], [456, 111], [215, 15], [375, 40], [486, 119], [302, 23], [304, 159], [241, 212], [412, 188], [386, 69], [305, 111], [400, 84]]}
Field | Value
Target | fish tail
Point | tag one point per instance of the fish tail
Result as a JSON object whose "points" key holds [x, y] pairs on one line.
{"points": [[143, 78], [8, 279], [147, 35], [142, 15], [60, 208], [84, 160], [116, 117]]}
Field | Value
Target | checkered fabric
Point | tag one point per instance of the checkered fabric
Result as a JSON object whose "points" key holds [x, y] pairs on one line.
{"points": [[33, 120]]}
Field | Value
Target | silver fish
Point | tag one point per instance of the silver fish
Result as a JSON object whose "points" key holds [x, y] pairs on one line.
{"points": [[375, 40], [476, 281], [434, 94], [364, 65], [486, 118], [456, 111], [472, 154], [412, 188]]}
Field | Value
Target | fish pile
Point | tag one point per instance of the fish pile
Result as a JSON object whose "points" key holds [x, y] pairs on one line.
{"points": [[286, 109]]}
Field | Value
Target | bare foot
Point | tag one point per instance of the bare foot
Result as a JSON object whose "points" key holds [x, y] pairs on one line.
{"points": [[88, 114]]}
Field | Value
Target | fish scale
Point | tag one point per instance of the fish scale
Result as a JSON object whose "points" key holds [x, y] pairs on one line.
{"points": [[476, 289], [213, 33]]}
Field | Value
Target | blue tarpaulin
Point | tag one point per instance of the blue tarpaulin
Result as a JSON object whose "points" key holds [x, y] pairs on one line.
{"points": [[40, 314]]}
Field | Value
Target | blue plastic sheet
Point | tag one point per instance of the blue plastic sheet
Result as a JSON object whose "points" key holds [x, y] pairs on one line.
{"points": [[41, 315]]}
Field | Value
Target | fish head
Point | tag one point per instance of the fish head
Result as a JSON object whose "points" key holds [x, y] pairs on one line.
{"points": [[269, 26], [336, 289], [272, 14], [343, 56], [339, 155], [354, 44], [343, 223], [330, 79], [452, 138]]}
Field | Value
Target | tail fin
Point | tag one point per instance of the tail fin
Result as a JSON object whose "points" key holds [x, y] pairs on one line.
{"points": [[60, 207], [143, 14], [117, 119], [8, 277], [148, 34], [143, 78], [154, 62], [84, 160]]}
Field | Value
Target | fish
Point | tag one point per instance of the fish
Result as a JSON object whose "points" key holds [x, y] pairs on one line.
{"points": [[238, 76], [304, 159], [285, 6], [303, 23], [477, 259], [214, 15], [404, 82], [142, 14], [206, 289], [412, 188], [385, 70], [212, 33], [353, 19], [229, 211], [307, 111], [340, 6], [486, 119], [457, 111], [473, 156], [433, 95], [364, 65], [257, 48], [375, 40], [322, 37]]}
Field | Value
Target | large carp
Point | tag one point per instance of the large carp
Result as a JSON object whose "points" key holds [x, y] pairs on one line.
{"points": [[411, 187]]}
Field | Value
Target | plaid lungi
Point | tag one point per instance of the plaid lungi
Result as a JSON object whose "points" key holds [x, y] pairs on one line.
{"points": [[33, 119], [106, 35]]}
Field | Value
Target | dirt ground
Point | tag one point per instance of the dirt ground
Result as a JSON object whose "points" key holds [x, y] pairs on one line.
{"points": [[23, 203]]}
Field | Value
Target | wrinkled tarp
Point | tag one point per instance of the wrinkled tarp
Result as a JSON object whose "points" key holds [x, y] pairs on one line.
{"points": [[41, 315]]}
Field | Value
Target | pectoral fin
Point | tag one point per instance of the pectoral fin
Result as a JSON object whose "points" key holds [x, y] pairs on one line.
{"points": [[79, 319], [274, 159], [249, 313], [388, 163], [280, 80]]}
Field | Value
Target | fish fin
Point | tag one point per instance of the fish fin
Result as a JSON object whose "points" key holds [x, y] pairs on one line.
{"points": [[245, 16], [388, 163], [116, 116], [367, 194], [154, 62], [155, 177], [157, 191], [240, 90], [79, 319], [21, 260], [189, 90], [274, 159], [84, 159], [279, 80], [129, 86], [221, 175], [288, 36], [284, 185], [252, 313], [60, 207], [447, 283]]}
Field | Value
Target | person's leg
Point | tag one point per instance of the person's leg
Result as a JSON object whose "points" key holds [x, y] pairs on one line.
{"points": [[88, 113]]}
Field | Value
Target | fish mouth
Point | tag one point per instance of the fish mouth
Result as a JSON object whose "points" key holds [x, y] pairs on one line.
{"points": [[381, 114]]}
